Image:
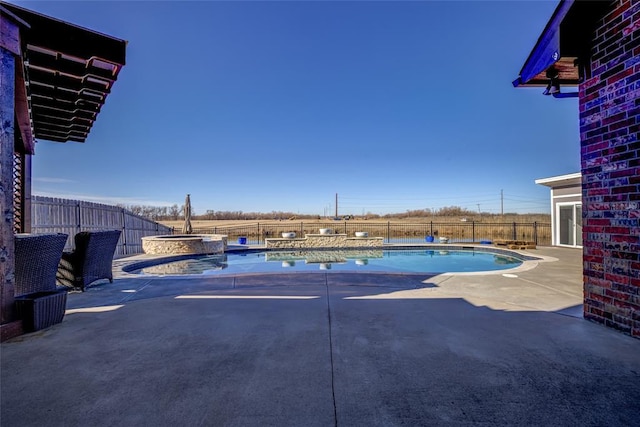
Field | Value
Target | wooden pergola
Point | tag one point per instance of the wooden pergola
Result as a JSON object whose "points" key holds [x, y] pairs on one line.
{"points": [[54, 79]]}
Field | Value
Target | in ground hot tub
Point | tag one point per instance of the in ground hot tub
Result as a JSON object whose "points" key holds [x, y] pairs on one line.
{"points": [[184, 244]]}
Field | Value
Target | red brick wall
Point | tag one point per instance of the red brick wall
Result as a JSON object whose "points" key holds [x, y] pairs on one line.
{"points": [[610, 158]]}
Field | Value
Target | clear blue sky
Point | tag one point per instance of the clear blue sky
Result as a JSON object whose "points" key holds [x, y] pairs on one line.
{"points": [[263, 106]]}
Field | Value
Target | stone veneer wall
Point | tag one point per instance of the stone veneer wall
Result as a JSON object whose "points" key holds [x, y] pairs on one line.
{"points": [[610, 159], [193, 244], [325, 241], [339, 255]]}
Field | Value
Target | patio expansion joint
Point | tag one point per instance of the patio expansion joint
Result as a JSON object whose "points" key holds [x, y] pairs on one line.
{"points": [[333, 389], [129, 296], [548, 287]]}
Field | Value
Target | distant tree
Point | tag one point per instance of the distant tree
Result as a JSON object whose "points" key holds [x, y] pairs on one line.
{"points": [[454, 211], [174, 212], [135, 209]]}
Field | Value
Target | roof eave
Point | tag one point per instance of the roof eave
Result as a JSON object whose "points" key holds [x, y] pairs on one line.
{"points": [[561, 180], [546, 51]]}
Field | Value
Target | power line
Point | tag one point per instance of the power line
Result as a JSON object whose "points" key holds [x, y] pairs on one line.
{"points": [[516, 197], [425, 198]]}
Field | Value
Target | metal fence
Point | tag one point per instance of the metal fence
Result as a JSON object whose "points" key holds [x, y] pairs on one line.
{"points": [[393, 232], [53, 215]]}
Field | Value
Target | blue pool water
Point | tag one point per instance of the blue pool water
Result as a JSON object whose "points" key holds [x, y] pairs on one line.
{"points": [[370, 260]]}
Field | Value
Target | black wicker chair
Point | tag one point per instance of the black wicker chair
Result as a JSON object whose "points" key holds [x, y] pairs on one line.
{"points": [[92, 259], [39, 303]]}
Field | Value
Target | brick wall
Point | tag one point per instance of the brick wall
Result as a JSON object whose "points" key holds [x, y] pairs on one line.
{"points": [[610, 159]]}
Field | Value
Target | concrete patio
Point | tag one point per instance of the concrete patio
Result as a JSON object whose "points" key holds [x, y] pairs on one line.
{"points": [[326, 349]]}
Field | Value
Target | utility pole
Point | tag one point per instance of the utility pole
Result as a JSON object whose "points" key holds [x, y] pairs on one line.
{"points": [[336, 205], [501, 203]]}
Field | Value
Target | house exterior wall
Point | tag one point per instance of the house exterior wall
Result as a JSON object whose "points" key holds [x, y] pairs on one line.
{"points": [[610, 162], [566, 191], [562, 196]]}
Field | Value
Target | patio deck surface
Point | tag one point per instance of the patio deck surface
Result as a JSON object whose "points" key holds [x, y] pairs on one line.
{"points": [[327, 349]]}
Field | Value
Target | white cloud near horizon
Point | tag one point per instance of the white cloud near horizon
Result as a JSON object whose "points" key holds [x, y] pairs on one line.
{"points": [[53, 180], [108, 200]]}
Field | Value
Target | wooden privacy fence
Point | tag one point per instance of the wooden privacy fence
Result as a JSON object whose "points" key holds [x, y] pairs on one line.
{"points": [[53, 215]]}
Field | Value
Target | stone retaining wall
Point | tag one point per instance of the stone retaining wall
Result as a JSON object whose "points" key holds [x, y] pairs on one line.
{"points": [[323, 256], [325, 241]]}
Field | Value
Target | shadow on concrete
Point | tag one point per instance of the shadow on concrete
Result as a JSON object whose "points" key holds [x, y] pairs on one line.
{"points": [[315, 349]]}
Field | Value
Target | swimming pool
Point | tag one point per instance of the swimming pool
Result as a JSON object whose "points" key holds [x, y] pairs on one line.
{"points": [[441, 260]]}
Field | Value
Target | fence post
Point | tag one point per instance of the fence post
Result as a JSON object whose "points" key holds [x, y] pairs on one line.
{"points": [[388, 231], [535, 232], [473, 231], [124, 233], [78, 217], [431, 228], [259, 235], [515, 235]]}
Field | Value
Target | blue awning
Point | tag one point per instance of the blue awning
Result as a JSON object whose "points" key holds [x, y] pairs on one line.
{"points": [[547, 50]]}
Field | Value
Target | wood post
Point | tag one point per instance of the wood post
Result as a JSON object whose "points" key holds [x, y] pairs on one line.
{"points": [[10, 52], [7, 145]]}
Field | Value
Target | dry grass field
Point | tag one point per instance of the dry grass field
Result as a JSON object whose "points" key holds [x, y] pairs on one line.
{"points": [[460, 229], [494, 219]]}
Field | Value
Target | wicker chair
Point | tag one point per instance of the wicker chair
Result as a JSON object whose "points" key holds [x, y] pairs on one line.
{"points": [[92, 259], [38, 301]]}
